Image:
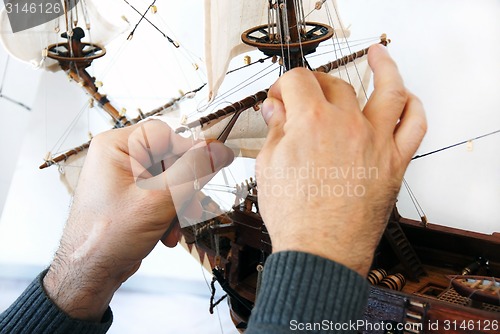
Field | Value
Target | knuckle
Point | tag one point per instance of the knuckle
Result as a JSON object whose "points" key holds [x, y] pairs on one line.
{"points": [[342, 84], [422, 125], [299, 71], [316, 114], [397, 95], [317, 109], [329, 79], [415, 98], [356, 128], [347, 89], [101, 138], [422, 119], [324, 76], [107, 139]]}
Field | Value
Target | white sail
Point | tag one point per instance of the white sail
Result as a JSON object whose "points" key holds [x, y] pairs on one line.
{"points": [[249, 132], [69, 170], [223, 42], [358, 74], [28, 45], [247, 135], [225, 20]]}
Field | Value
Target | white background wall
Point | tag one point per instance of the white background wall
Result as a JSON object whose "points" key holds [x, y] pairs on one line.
{"points": [[447, 51]]}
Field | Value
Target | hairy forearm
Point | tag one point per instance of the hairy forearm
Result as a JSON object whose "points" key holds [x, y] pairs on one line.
{"points": [[80, 280], [79, 290]]}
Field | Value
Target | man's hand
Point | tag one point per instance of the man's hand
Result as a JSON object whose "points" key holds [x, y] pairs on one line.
{"points": [[123, 205], [329, 173]]}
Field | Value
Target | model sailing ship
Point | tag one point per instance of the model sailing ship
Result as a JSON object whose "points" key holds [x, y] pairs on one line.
{"points": [[414, 257]]}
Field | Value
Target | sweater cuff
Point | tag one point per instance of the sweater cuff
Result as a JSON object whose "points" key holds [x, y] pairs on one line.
{"points": [[299, 288], [34, 312]]}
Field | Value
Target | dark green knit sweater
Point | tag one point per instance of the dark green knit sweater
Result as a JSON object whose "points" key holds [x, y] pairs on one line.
{"points": [[298, 291]]}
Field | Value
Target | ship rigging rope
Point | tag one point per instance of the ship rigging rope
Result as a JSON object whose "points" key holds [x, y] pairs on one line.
{"points": [[413, 198], [123, 46], [4, 73], [221, 97], [209, 286], [85, 14], [121, 49], [280, 29], [360, 44], [337, 43], [75, 19], [301, 21], [58, 144], [140, 20], [22, 105], [234, 90], [188, 54], [360, 41], [348, 47], [454, 145], [261, 60], [223, 188], [143, 16]]}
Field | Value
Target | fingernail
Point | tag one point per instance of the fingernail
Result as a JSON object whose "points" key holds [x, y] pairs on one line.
{"points": [[267, 109], [380, 47], [220, 155]]}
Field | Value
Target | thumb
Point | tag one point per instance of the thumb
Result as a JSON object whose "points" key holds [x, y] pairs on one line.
{"points": [[273, 112], [190, 173]]}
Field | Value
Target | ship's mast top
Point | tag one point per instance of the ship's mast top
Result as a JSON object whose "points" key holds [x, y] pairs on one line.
{"points": [[287, 34]]}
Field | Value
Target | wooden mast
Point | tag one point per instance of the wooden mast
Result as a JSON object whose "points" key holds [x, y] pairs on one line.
{"points": [[295, 58], [259, 97], [74, 57], [289, 37], [62, 157]]}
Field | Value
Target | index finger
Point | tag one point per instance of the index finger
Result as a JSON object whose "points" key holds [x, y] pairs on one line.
{"points": [[387, 102]]}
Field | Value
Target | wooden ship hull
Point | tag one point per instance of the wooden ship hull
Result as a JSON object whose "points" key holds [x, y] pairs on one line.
{"points": [[426, 256], [413, 290]]}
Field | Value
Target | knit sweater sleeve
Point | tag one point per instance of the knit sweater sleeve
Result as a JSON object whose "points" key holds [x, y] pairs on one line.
{"points": [[306, 293], [34, 313]]}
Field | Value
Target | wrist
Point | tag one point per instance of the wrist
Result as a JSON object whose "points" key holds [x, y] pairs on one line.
{"points": [[81, 289], [343, 242], [350, 257]]}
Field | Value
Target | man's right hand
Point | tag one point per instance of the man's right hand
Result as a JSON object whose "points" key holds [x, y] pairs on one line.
{"points": [[329, 173]]}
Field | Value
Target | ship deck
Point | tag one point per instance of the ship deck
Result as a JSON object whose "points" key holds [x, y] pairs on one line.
{"points": [[435, 285]]}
